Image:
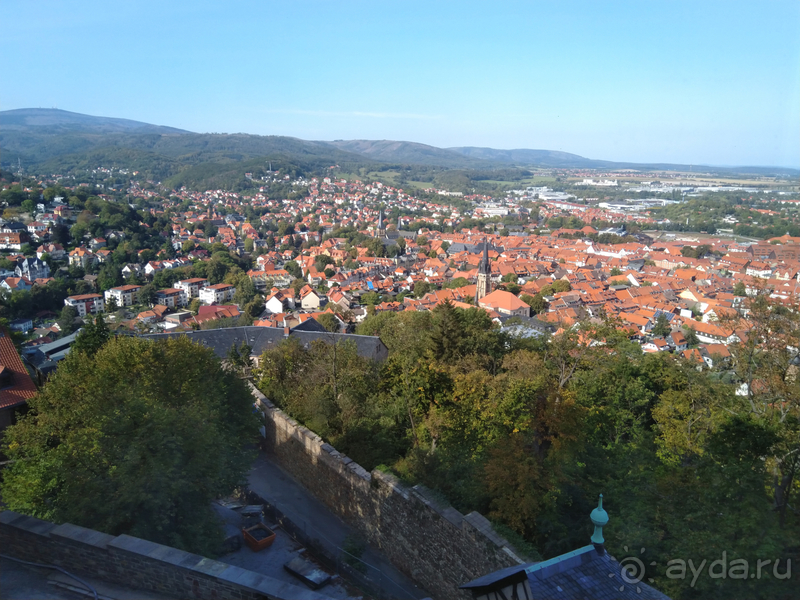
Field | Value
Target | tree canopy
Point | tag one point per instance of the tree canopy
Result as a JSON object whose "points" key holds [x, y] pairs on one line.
{"points": [[137, 438], [529, 431]]}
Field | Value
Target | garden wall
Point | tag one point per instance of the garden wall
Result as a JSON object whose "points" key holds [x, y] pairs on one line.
{"points": [[137, 563], [434, 544]]}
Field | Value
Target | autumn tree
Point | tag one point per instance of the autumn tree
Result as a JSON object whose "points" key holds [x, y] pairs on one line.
{"points": [[137, 439]]}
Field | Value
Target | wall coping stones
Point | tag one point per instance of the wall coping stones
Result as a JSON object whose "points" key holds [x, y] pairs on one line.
{"points": [[76, 533], [171, 555], [134, 545], [453, 515], [392, 482], [209, 566], [26, 523], [102, 544]]}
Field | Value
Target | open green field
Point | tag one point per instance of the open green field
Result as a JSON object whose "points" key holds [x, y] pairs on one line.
{"points": [[692, 235]]}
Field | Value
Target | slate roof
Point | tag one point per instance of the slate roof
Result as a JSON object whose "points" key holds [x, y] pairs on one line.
{"points": [[263, 338], [582, 574], [46, 356]]}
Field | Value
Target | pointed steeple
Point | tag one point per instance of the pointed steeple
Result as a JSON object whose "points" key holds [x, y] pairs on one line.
{"points": [[485, 266], [483, 286], [381, 230]]}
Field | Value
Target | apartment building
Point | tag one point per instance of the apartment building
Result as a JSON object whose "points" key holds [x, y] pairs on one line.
{"points": [[217, 294], [125, 295], [172, 298], [86, 304], [192, 286]]}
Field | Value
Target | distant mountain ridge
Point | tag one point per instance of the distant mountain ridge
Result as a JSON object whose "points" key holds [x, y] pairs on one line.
{"points": [[549, 158], [52, 139], [27, 118], [411, 152]]}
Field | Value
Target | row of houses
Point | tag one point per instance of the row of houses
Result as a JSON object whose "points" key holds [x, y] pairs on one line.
{"points": [[179, 296]]}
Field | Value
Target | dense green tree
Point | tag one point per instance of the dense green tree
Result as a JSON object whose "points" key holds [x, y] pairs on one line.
{"points": [[537, 303], [109, 276], [329, 322], [321, 261], [293, 269], [66, 321], [421, 288], [661, 327], [147, 294], [691, 337], [93, 337], [137, 439]]}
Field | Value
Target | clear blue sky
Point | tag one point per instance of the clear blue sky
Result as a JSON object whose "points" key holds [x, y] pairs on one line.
{"points": [[714, 82]]}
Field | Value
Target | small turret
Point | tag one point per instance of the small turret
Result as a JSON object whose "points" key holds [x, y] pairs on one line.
{"points": [[599, 518]]}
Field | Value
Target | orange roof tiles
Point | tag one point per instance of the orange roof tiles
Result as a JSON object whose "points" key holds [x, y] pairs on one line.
{"points": [[22, 387]]}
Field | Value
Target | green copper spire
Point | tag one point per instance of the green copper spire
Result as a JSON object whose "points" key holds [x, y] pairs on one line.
{"points": [[600, 518]]}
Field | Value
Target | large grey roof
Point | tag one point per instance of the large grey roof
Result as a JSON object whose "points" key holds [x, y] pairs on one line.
{"points": [[263, 338]]}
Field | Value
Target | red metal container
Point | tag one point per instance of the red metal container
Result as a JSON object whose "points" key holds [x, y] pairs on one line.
{"points": [[254, 543]]}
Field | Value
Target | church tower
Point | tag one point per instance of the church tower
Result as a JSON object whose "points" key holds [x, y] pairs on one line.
{"points": [[484, 273], [381, 227]]}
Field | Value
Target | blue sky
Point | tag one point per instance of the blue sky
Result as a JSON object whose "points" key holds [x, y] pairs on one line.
{"points": [[704, 82]]}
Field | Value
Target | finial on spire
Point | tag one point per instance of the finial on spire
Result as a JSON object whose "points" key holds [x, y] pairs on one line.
{"points": [[599, 518]]}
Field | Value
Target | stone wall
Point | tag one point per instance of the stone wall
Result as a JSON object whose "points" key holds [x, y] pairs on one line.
{"points": [[137, 563], [434, 544]]}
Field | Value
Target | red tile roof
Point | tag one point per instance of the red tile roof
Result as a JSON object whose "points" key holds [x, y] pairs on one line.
{"points": [[22, 386]]}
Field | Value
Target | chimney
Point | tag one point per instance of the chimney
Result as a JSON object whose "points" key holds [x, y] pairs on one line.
{"points": [[286, 334], [599, 518]]}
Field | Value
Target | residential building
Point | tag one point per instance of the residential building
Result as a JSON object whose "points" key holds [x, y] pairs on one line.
{"points": [[23, 324], [172, 298], [16, 283], [280, 301], [32, 268], [125, 295], [12, 241], [309, 299], [82, 257], [192, 286], [86, 304], [505, 303], [216, 294], [56, 251]]}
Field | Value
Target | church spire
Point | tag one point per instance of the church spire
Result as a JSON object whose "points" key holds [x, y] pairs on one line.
{"points": [[483, 286], [381, 232]]}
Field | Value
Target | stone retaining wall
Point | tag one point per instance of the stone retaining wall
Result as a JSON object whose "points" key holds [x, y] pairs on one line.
{"points": [[137, 563], [434, 544]]}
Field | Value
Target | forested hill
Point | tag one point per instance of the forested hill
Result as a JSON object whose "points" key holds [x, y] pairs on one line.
{"points": [[58, 141], [551, 158], [55, 141], [53, 120], [413, 153]]}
